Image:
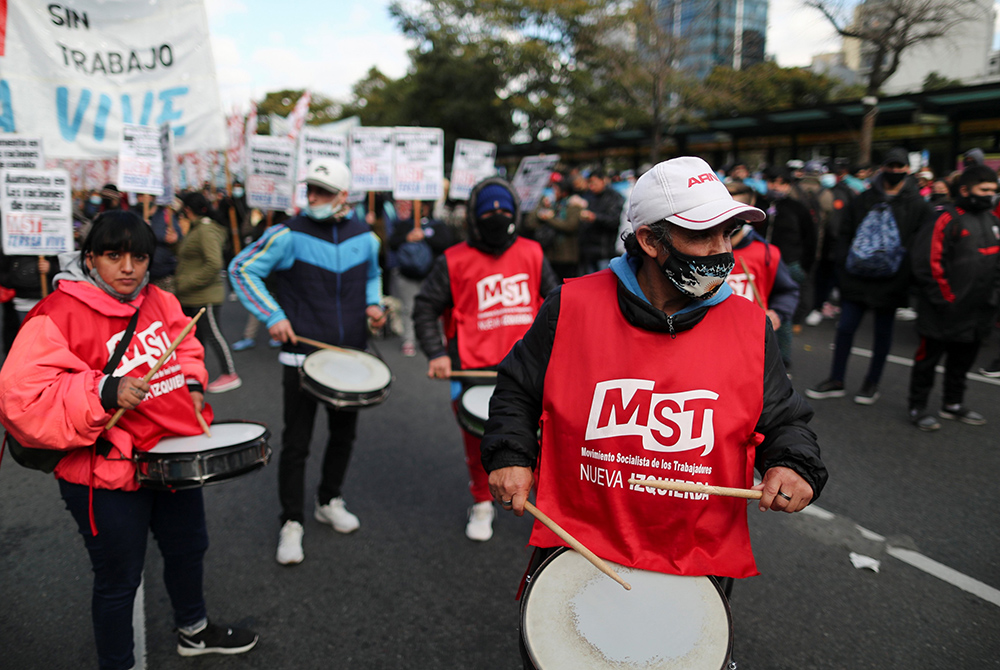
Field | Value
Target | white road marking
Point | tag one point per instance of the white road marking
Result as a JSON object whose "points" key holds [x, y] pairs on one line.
{"points": [[919, 561], [908, 362]]}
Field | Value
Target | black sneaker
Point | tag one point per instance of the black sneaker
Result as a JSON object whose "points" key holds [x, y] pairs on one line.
{"points": [[924, 421], [213, 639], [991, 370], [868, 394], [827, 389], [963, 414]]}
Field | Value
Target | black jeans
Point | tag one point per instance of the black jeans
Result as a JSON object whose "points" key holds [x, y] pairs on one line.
{"points": [[208, 332], [118, 551], [960, 358], [300, 415]]}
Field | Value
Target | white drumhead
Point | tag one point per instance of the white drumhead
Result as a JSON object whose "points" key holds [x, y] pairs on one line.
{"points": [[223, 435], [348, 371], [577, 617], [476, 400]]}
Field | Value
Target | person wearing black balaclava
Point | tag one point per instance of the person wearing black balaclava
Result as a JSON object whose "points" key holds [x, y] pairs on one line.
{"points": [[492, 286], [956, 265], [893, 186]]}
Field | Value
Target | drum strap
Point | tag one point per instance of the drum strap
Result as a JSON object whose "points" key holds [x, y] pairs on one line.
{"points": [[103, 447]]}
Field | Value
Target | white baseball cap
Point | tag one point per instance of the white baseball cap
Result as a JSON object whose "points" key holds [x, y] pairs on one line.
{"points": [[687, 192], [329, 173]]}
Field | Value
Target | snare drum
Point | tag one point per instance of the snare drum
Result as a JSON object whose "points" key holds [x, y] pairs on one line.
{"points": [[573, 616], [474, 408], [346, 378], [235, 448]]}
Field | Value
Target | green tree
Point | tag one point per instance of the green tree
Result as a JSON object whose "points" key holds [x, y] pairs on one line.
{"points": [[321, 108], [934, 81], [766, 86], [378, 100]]}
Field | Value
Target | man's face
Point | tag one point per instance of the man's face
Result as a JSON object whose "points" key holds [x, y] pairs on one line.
{"points": [[779, 185], [708, 242], [739, 172], [318, 196], [896, 168], [982, 188], [596, 184]]}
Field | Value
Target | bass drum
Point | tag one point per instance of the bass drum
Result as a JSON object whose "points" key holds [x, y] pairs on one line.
{"points": [[235, 448], [573, 616]]}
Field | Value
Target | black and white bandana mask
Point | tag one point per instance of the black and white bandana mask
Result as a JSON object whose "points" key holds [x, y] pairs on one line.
{"points": [[697, 276]]}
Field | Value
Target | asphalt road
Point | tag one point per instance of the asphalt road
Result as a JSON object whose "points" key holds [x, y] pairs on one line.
{"points": [[408, 590]]}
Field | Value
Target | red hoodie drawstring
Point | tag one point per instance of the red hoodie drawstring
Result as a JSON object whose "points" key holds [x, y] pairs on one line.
{"points": [[90, 493]]}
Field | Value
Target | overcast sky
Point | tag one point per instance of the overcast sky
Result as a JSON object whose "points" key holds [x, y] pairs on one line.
{"points": [[262, 45]]}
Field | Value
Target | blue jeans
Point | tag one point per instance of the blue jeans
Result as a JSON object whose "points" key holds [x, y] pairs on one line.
{"points": [[117, 553], [851, 314]]}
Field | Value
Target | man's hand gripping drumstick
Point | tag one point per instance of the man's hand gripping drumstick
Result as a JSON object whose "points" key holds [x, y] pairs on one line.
{"points": [[781, 490], [131, 391], [511, 486]]}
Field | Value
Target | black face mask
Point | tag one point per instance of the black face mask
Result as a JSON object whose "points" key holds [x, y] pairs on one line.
{"points": [[497, 231], [892, 178], [698, 277], [976, 203]]}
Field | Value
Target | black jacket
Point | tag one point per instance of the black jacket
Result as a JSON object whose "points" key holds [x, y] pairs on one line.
{"points": [[516, 406], [791, 228], [597, 237], [911, 211], [956, 266]]}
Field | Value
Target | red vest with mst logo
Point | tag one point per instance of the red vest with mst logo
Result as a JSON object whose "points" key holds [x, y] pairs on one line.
{"points": [[621, 402], [495, 299], [763, 266]]}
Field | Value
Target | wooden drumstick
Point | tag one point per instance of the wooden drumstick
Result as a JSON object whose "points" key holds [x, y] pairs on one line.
{"points": [[204, 426], [573, 542], [318, 344], [689, 487], [753, 284], [159, 364], [472, 373]]}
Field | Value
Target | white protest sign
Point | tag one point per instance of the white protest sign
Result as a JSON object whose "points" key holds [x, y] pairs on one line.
{"points": [[532, 178], [315, 144], [270, 172], [474, 161], [418, 164], [140, 160], [74, 73], [371, 159], [18, 151], [37, 212]]}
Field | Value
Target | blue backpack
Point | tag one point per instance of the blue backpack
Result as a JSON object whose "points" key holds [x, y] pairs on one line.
{"points": [[876, 250]]}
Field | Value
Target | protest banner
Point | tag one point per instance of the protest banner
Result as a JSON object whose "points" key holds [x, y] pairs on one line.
{"points": [[418, 163], [18, 151], [169, 165], [140, 160], [73, 75], [371, 159], [316, 144], [37, 212], [270, 172], [474, 161], [532, 178]]}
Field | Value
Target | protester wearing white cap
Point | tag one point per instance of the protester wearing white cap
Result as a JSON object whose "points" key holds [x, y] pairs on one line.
{"points": [[651, 364], [328, 287]]}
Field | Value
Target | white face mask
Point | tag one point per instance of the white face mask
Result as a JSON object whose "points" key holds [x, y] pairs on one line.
{"points": [[327, 211]]}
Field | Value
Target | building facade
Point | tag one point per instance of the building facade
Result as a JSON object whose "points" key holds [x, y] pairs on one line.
{"points": [[731, 33]]}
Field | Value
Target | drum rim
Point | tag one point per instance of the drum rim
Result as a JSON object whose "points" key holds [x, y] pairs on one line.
{"points": [[472, 423], [345, 400], [531, 579]]}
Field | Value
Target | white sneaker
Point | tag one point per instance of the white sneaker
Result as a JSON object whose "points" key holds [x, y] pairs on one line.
{"points": [[335, 514], [480, 526], [814, 318], [290, 544]]}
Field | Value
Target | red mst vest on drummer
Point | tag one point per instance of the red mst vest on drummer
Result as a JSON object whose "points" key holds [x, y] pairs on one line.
{"points": [[762, 262], [495, 299], [621, 402]]}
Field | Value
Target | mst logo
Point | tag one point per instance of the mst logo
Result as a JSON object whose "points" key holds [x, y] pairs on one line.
{"points": [[146, 348], [668, 422], [505, 291]]}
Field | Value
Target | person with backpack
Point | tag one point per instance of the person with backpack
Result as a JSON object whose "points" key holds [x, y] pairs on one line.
{"points": [[81, 355], [956, 266], [415, 248], [873, 270], [489, 288]]}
